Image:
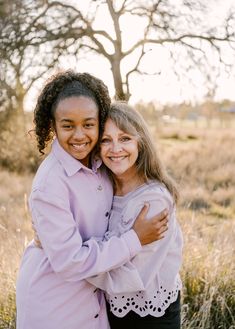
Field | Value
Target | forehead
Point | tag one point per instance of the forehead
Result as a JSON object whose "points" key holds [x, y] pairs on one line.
{"points": [[77, 107], [120, 126], [111, 125]]}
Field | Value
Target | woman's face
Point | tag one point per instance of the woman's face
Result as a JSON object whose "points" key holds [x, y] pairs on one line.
{"points": [[119, 150], [77, 126]]}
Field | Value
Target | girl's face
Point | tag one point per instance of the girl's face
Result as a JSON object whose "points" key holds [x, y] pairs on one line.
{"points": [[119, 150], [77, 126]]}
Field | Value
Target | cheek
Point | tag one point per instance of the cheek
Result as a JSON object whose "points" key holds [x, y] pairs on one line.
{"points": [[102, 151], [135, 156], [61, 134], [93, 135], [95, 132], [96, 136], [57, 129], [135, 150]]}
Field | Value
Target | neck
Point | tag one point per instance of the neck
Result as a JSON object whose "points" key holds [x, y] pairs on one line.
{"points": [[124, 185]]}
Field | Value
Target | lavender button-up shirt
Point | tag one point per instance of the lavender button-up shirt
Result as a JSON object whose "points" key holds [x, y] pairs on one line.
{"points": [[70, 204]]}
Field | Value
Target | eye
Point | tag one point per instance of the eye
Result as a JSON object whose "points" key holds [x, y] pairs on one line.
{"points": [[67, 126], [89, 125], [125, 139], [105, 140]]}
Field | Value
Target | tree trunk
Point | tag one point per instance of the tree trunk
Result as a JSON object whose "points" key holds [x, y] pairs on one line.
{"points": [[118, 84]]}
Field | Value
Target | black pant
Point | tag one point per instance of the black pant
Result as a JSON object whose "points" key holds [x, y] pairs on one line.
{"points": [[170, 320]]}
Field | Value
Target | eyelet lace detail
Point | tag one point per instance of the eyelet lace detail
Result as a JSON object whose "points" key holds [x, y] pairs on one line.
{"points": [[154, 304]]}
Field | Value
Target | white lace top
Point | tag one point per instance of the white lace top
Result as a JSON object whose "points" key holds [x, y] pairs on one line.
{"points": [[150, 282]]}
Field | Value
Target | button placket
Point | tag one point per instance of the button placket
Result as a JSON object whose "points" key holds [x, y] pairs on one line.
{"points": [[100, 188]]}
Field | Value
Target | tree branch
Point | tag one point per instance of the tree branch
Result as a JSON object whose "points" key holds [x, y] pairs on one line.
{"points": [[209, 39]]}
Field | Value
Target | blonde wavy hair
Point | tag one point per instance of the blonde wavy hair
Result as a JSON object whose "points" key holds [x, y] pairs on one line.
{"points": [[148, 163]]}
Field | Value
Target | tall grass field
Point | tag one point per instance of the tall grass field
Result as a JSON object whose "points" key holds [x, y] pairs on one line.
{"points": [[203, 163]]}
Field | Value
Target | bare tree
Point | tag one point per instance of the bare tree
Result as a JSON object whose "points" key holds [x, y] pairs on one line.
{"points": [[180, 26], [12, 51], [27, 50], [25, 56], [37, 33]]}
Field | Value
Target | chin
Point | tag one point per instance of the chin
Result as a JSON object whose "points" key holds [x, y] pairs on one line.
{"points": [[118, 173]]}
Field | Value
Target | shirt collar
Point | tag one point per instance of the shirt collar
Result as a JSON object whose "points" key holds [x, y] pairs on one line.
{"points": [[69, 163]]}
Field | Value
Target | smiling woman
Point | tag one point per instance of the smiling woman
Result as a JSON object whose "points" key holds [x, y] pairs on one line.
{"points": [[144, 292]]}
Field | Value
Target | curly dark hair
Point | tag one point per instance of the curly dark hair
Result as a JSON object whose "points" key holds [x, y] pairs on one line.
{"points": [[83, 84]]}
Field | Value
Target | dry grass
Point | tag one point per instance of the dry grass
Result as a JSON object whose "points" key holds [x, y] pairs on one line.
{"points": [[15, 232], [203, 163], [208, 271]]}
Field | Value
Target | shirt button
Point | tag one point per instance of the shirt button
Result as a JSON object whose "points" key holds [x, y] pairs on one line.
{"points": [[96, 316], [106, 214], [99, 188]]}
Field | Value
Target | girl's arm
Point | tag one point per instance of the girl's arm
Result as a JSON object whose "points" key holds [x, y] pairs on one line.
{"points": [[70, 257]]}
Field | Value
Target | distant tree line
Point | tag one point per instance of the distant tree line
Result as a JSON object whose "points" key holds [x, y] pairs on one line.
{"points": [[156, 114]]}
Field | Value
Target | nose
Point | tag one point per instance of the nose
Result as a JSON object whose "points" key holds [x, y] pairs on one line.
{"points": [[79, 133], [116, 147]]}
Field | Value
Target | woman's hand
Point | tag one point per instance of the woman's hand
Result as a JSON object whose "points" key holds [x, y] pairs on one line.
{"points": [[152, 229]]}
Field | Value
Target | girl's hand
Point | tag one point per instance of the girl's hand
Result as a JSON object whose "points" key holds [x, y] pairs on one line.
{"points": [[152, 229], [37, 242]]}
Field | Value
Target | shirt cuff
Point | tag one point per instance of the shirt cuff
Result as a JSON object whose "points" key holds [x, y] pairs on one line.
{"points": [[133, 242]]}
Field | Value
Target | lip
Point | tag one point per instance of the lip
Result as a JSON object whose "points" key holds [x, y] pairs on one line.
{"points": [[117, 158], [79, 146]]}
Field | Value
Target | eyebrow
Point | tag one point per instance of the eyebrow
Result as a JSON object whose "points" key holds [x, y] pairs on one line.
{"points": [[66, 120], [121, 134], [70, 120]]}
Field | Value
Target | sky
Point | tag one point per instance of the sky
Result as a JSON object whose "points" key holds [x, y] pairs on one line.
{"points": [[160, 88]]}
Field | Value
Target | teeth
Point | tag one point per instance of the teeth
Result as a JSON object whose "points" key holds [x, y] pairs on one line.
{"points": [[79, 146], [116, 159]]}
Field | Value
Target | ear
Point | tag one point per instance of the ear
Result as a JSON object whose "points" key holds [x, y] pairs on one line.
{"points": [[53, 129]]}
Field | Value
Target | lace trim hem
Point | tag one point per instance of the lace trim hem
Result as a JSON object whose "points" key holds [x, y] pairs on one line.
{"points": [[154, 304]]}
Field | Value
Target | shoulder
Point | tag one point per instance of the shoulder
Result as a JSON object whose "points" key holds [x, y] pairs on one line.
{"points": [[155, 194], [50, 175], [152, 192]]}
